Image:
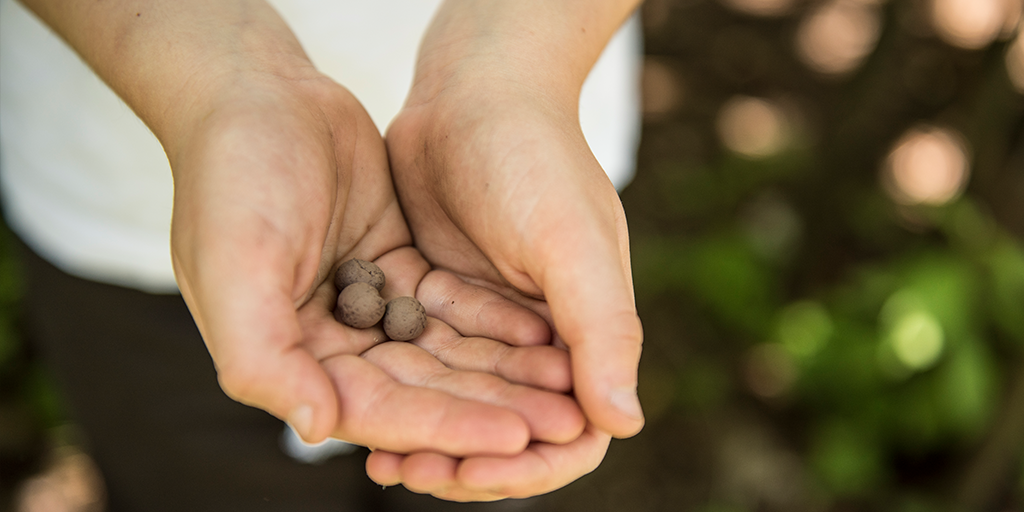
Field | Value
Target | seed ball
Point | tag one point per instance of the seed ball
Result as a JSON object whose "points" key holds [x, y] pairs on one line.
{"points": [[404, 319], [359, 306], [359, 271]]}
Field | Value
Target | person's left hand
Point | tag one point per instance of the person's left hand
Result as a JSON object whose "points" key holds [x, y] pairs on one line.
{"points": [[541, 468], [499, 187]]}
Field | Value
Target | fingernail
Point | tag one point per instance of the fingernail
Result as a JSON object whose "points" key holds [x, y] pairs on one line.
{"points": [[301, 420], [626, 401]]}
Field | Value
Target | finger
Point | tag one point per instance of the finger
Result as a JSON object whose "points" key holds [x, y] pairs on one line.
{"points": [[539, 469], [591, 300], [427, 472], [385, 467], [251, 328], [544, 367], [551, 417], [423, 473], [377, 411], [476, 311], [538, 306], [431, 473], [403, 269], [463, 495]]}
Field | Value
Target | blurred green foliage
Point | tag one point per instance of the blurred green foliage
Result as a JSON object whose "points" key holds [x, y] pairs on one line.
{"points": [[10, 294], [30, 404], [865, 352]]}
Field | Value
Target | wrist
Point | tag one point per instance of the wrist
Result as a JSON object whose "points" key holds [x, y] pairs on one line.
{"points": [[170, 60], [177, 92], [541, 47]]}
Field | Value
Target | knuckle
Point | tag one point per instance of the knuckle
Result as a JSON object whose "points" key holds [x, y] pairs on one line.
{"points": [[240, 382]]}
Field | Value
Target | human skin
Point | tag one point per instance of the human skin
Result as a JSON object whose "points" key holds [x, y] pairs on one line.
{"points": [[499, 187], [361, 367], [280, 175]]}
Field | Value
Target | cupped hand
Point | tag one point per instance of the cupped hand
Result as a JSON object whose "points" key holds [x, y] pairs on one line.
{"points": [[509, 197], [398, 396], [499, 187], [561, 448], [541, 468], [278, 183]]}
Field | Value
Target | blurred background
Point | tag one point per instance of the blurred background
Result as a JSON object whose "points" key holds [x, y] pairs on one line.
{"points": [[827, 231]]}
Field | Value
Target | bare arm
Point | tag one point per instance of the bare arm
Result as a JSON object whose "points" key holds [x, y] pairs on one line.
{"points": [[168, 59], [279, 175]]}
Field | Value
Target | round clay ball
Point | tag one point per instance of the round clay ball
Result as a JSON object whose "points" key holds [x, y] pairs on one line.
{"points": [[359, 271], [359, 306], [404, 319]]}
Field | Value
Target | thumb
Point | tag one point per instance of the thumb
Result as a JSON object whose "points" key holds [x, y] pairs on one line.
{"points": [[288, 384], [251, 329], [588, 287]]}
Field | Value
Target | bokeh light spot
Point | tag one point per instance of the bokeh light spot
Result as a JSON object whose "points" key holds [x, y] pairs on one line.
{"points": [[927, 166], [835, 38], [917, 340], [752, 127], [970, 24], [773, 228], [913, 335], [662, 89]]}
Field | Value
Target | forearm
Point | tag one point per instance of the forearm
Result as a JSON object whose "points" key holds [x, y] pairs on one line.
{"points": [[169, 59], [548, 46]]}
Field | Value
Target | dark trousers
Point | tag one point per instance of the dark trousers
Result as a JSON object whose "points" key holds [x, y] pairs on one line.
{"points": [[141, 385]]}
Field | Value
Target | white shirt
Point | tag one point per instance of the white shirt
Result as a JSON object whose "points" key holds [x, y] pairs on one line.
{"points": [[87, 185]]}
